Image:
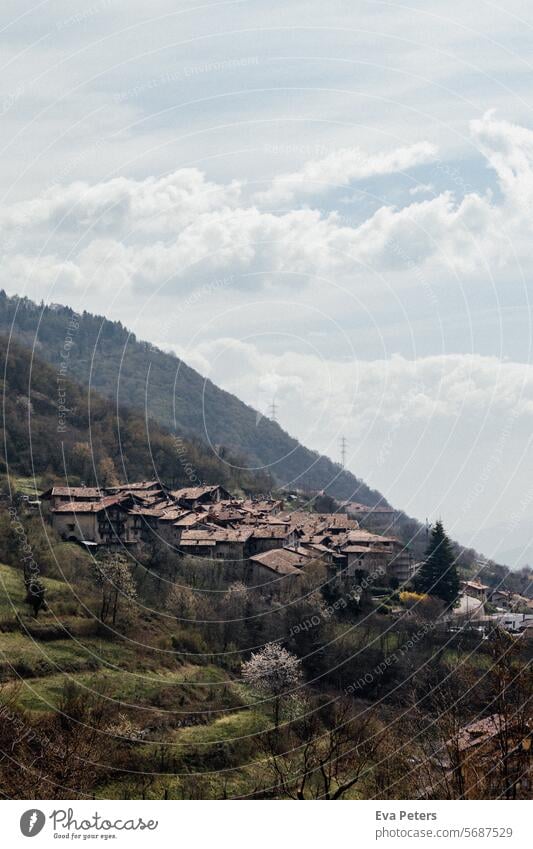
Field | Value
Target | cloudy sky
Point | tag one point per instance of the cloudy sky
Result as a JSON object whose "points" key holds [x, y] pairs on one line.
{"points": [[329, 205]]}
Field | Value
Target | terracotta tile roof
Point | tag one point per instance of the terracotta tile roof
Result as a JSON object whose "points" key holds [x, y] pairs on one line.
{"points": [[226, 512], [338, 520], [214, 535], [353, 537], [321, 549], [75, 492], [90, 506], [145, 497], [188, 520], [193, 492], [480, 731], [282, 561], [270, 531], [264, 506]]}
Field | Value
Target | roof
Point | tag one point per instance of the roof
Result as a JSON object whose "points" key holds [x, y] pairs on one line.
{"points": [[263, 506], [213, 535], [164, 512], [363, 549], [149, 496], [141, 510], [270, 531], [322, 549], [337, 520], [226, 511], [74, 492], [475, 585], [139, 485], [365, 536], [193, 492], [187, 520], [481, 730], [282, 561], [90, 506]]}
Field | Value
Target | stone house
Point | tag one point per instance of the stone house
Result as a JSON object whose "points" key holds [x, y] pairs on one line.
{"points": [[106, 522]]}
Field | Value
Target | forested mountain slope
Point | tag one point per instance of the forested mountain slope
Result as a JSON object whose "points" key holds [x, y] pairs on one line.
{"points": [[146, 418], [56, 428], [137, 375]]}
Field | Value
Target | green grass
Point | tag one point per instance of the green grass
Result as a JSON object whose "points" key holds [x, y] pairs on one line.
{"points": [[226, 728], [182, 689], [13, 593], [28, 486], [21, 656]]}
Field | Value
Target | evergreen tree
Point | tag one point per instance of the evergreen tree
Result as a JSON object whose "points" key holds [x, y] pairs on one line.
{"points": [[438, 574]]}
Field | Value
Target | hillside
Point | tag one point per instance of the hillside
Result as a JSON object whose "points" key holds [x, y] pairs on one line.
{"points": [[134, 374], [53, 427]]}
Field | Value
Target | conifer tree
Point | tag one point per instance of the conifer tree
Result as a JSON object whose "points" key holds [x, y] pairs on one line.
{"points": [[438, 574]]}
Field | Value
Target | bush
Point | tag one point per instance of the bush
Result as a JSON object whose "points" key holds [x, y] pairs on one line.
{"points": [[190, 647]]}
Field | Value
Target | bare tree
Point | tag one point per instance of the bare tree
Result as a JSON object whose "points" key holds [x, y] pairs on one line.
{"points": [[113, 574], [324, 754]]}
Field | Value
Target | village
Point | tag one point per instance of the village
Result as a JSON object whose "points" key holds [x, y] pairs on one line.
{"points": [[208, 522], [263, 539]]}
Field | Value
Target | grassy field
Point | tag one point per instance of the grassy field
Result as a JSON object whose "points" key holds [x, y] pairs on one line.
{"points": [[12, 593], [196, 712]]}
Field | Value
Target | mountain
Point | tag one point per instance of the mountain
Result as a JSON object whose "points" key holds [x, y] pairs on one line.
{"points": [[158, 399], [134, 374], [54, 427]]}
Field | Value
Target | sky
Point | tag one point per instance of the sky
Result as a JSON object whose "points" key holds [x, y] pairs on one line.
{"points": [[324, 205]]}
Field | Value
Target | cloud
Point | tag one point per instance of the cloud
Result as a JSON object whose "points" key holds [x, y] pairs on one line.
{"points": [[439, 387], [121, 205], [179, 230], [340, 168], [422, 189]]}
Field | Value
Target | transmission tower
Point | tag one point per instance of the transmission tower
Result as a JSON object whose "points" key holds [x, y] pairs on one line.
{"points": [[273, 410], [344, 445]]}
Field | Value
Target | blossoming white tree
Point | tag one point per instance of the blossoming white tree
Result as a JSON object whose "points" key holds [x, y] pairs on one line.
{"points": [[273, 672]]}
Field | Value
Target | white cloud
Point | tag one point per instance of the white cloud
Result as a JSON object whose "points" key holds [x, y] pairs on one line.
{"points": [[182, 227], [340, 168], [422, 189]]}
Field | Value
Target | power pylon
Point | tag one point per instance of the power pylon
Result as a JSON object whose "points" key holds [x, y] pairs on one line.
{"points": [[344, 445], [273, 410]]}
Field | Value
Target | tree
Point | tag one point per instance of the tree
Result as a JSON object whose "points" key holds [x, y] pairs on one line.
{"points": [[107, 474], [273, 672], [35, 594], [438, 574], [113, 574], [323, 754], [324, 503]]}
